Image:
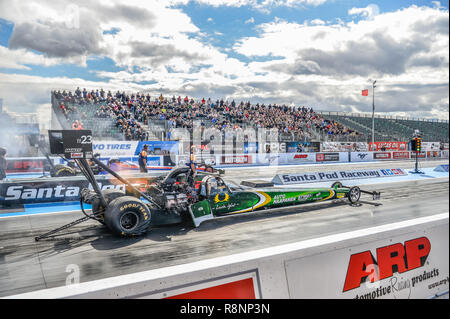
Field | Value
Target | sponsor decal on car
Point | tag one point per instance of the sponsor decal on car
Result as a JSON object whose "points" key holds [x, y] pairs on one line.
{"points": [[76, 155], [221, 197]]}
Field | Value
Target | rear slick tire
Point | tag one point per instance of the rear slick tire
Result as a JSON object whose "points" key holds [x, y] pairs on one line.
{"points": [[127, 216], [109, 195]]}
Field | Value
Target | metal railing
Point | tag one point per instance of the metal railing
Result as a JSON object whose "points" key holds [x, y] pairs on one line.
{"points": [[389, 117]]}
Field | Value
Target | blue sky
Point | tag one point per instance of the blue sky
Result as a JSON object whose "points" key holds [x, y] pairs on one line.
{"points": [[309, 52]]}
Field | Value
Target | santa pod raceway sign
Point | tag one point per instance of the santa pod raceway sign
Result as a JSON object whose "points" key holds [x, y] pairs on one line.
{"points": [[301, 178]]}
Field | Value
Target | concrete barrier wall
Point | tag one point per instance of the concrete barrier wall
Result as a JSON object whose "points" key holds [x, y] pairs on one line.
{"points": [[24, 165], [408, 259]]}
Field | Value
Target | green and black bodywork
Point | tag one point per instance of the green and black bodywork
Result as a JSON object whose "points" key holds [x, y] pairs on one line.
{"points": [[222, 200], [170, 200], [187, 195]]}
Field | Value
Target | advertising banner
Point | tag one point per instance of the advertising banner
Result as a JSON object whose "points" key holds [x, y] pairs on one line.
{"points": [[433, 154], [236, 159], [361, 156], [431, 146], [345, 147], [158, 147], [332, 157], [114, 148], [49, 190], [301, 178], [26, 165], [419, 155], [200, 158], [298, 158], [302, 147], [382, 155], [267, 159], [400, 155], [388, 146], [411, 265]]}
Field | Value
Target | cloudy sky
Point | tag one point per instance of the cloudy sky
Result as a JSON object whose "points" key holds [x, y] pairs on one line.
{"points": [[318, 53]]}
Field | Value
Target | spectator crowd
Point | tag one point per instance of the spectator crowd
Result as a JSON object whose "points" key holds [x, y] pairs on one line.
{"points": [[130, 112]]}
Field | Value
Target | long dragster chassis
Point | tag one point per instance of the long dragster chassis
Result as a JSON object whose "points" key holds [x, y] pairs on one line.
{"points": [[184, 195]]}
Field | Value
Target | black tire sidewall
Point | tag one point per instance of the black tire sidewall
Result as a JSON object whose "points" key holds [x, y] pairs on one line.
{"points": [[350, 192], [62, 170], [119, 207], [109, 195]]}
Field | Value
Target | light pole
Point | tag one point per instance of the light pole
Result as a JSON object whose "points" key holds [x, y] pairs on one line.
{"points": [[373, 112]]}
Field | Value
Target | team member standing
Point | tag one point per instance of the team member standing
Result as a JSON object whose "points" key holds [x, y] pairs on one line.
{"points": [[193, 166], [143, 159]]}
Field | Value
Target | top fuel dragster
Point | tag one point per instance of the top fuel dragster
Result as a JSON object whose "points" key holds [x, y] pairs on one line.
{"points": [[185, 194]]}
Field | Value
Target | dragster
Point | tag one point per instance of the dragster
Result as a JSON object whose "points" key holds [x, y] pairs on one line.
{"points": [[188, 195]]}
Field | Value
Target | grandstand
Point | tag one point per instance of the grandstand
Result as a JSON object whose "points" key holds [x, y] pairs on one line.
{"points": [[138, 116], [393, 128]]}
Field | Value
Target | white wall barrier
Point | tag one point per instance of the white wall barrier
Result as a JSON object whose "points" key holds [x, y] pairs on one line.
{"points": [[36, 164], [408, 259], [361, 156]]}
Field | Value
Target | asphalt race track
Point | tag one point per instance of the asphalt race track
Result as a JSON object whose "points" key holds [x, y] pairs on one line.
{"points": [[26, 265]]}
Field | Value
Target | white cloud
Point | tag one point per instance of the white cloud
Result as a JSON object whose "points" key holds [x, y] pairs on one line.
{"points": [[369, 12], [316, 63], [317, 22], [251, 20]]}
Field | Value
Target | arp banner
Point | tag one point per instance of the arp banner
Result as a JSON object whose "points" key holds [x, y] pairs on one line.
{"points": [[401, 265], [388, 146]]}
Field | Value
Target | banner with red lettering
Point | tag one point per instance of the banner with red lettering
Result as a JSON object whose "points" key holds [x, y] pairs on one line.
{"points": [[388, 146]]}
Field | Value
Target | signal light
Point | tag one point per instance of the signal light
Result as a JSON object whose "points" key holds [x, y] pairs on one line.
{"points": [[416, 144], [419, 144]]}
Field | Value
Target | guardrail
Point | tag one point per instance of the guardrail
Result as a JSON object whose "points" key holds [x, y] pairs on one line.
{"points": [[357, 264]]}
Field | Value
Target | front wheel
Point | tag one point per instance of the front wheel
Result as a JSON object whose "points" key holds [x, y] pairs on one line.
{"points": [[127, 216], [354, 194]]}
